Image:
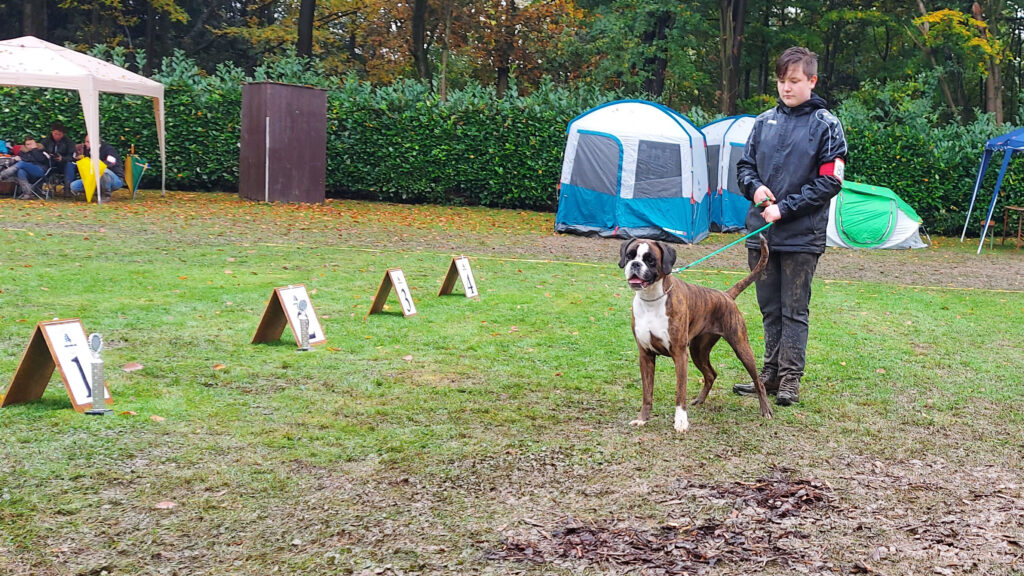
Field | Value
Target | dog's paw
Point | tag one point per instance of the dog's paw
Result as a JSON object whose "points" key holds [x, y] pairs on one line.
{"points": [[682, 423], [638, 423]]}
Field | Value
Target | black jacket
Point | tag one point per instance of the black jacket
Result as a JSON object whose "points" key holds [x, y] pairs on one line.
{"points": [[785, 151], [35, 156], [65, 148], [107, 153]]}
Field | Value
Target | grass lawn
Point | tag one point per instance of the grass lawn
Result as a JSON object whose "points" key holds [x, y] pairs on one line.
{"points": [[483, 435]]}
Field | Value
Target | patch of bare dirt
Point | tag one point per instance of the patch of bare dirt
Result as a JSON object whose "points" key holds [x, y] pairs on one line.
{"points": [[947, 263], [763, 526], [901, 518]]}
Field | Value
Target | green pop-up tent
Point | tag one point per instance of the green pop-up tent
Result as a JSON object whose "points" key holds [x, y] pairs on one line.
{"points": [[866, 216]]}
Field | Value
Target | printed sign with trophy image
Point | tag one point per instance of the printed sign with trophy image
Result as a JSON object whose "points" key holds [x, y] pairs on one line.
{"points": [[60, 344], [290, 306]]}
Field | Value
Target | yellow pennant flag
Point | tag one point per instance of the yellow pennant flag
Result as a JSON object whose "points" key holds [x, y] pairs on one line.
{"points": [[88, 180]]}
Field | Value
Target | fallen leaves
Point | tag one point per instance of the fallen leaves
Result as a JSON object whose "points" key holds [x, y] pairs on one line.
{"points": [[165, 505], [132, 367]]}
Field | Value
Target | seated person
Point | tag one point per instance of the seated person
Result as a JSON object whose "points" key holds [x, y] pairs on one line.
{"points": [[113, 176], [62, 151], [30, 163]]}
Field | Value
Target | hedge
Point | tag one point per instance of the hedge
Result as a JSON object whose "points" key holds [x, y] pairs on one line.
{"points": [[402, 143]]}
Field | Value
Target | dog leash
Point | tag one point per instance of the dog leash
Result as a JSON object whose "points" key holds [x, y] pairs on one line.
{"points": [[729, 245]]}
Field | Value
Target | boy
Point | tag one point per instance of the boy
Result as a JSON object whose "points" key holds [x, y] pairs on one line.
{"points": [[792, 166], [61, 150], [30, 163], [113, 176]]}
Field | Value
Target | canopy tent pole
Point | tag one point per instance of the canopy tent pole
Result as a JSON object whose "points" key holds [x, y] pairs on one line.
{"points": [[91, 110], [1007, 154], [158, 109], [986, 157]]}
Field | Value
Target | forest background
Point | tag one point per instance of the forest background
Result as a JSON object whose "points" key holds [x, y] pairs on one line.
{"points": [[467, 101]]}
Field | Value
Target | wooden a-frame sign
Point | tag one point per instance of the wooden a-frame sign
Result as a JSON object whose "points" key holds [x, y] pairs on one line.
{"points": [[283, 310], [57, 344], [393, 278], [459, 268]]}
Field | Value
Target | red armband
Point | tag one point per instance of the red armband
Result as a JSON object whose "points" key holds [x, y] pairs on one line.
{"points": [[835, 169]]}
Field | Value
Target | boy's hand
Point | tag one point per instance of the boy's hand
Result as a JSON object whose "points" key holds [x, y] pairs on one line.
{"points": [[771, 213], [762, 194]]}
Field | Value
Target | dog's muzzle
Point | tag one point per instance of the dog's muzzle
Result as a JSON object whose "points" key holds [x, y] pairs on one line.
{"points": [[639, 275]]}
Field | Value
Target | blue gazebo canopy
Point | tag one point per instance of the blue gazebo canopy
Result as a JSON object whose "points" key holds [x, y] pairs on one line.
{"points": [[1008, 144]]}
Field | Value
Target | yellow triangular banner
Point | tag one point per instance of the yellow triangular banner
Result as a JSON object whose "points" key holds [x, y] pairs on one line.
{"points": [[88, 180]]}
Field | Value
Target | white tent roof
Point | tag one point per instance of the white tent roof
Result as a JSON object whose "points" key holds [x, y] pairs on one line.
{"points": [[29, 61]]}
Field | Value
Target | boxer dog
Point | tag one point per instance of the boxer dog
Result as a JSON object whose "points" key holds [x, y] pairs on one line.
{"points": [[671, 317]]}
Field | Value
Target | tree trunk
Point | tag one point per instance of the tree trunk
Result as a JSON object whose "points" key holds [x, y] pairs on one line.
{"points": [[993, 80], [656, 63], [731, 21], [927, 51], [765, 71], [506, 48], [150, 46], [33, 18], [419, 40], [448, 7], [304, 45]]}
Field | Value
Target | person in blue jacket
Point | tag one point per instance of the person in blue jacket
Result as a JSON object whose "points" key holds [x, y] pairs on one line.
{"points": [[791, 168]]}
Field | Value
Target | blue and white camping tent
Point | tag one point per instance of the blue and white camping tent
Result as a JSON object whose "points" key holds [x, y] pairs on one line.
{"points": [[1008, 143], [634, 169], [727, 139]]}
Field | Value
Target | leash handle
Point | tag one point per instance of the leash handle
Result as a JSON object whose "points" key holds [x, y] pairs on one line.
{"points": [[729, 245]]}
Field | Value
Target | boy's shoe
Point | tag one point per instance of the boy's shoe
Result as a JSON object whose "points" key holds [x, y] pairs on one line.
{"points": [[789, 391], [767, 377]]}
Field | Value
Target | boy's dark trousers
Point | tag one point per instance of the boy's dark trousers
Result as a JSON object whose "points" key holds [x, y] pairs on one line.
{"points": [[784, 295]]}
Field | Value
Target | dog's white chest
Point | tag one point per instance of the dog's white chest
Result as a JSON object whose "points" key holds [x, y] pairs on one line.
{"points": [[650, 321]]}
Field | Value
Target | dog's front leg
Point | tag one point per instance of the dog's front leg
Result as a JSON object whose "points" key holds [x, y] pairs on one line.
{"points": [[647, 383], [681, 358]]}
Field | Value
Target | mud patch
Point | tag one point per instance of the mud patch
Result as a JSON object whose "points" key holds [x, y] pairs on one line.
{"points": [[762, 526]]}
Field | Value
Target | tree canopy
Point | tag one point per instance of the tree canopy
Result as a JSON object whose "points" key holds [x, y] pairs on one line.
{"points": [[717, 55]]}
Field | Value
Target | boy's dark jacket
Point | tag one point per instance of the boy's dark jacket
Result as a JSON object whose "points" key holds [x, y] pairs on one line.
{"points": [[785, 151], [107, 151], [35, 156]]}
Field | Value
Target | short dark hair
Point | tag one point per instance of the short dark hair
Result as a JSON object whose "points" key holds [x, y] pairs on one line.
{"points": [[57, 126], [797, 55]]}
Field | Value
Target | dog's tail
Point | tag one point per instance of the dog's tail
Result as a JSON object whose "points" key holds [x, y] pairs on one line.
{"points": [[742, 284]]}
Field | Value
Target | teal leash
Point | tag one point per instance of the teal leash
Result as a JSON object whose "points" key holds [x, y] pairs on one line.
{"points": [[729, 245]]}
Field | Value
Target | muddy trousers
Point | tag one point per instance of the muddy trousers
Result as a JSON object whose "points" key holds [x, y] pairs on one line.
{"points": [[784, 295]]}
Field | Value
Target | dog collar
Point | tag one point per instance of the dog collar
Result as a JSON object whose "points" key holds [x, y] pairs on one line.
{"points": [[663, 294]]}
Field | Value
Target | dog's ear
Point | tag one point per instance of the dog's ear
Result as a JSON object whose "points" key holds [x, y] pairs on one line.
{"points": [[622, 252], [668, 258]]}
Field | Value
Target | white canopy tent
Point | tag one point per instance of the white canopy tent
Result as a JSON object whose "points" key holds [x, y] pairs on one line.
{"points": [[29, 61]]}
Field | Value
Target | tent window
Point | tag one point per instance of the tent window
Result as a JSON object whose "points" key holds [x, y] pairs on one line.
{"points": [[735, 155], [596, 165], [658, 170], [713, 152]]}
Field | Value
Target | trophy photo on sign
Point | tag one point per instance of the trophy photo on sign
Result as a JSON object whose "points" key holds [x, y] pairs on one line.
{"points": [[303, 326], [98, 385]]}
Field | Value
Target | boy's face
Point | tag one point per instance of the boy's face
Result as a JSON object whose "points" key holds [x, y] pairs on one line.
{"points": [[795, 87]]}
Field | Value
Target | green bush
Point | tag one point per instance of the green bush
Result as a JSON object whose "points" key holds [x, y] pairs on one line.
{"points": [[898, 139], [402, 143]]}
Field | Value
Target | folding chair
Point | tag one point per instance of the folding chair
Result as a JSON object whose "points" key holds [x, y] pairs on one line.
{"points": [[42, 188]]}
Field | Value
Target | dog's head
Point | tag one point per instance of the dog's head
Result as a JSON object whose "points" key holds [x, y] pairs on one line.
{"points": [[645, 261]]}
